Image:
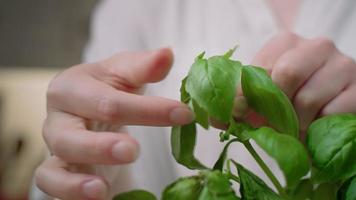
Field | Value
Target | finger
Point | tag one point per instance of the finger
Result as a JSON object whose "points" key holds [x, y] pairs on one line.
{"points": [[319, 90], [343, 103], [295, 66], [94, 100], [240, 107], [218, 124], [53, 178], [273, 49], [138, 68], [66, 137]]}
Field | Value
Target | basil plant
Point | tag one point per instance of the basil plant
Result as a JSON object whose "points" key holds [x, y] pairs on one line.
{"points": [[321, 169]]}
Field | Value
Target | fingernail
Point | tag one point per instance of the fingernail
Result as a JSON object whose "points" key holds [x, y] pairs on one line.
{"points": [[125, 151], [240, 107], [181, 115], [95, 189]]}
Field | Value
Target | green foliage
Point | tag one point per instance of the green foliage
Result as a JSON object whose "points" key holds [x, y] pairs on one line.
{"points": [[209, 80], [187, 188], [208, 185], [332, 145], [348, 190], [209, 90], [268, 100], [135, 195], [183, 144], [289, 153], [252, 187]]}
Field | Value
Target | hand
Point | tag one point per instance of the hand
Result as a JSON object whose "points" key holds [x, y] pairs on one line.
{"points": [[317, 77], [105, 91]]}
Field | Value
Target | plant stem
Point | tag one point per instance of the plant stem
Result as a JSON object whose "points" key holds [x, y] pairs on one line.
{"points": [[265, 168], [230, 174], [233, 177]]}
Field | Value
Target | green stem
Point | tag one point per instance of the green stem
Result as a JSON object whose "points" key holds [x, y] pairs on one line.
{"points": [[233, 177], [265, 168], [230, 174]]}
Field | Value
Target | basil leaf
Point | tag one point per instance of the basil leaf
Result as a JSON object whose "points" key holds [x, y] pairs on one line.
{"points": [[219, 164], [303, 191], [325, 191], [183, 144], [184, 95], [212, 84], [252, 187], [201, 116], [135, 195], [217, 187], [268, 100], [332, 145], [347, 190], [240, 130], [187, 188], [289, 153]]}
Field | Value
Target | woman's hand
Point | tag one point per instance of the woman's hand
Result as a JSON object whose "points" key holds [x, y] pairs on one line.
{"points": [[104, 92], [317, 77]]}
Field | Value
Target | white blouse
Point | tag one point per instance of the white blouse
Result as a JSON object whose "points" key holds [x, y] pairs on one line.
{"points": [[190, 27]]}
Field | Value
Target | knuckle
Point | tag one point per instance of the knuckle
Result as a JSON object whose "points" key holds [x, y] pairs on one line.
{"points": [[288, 36], [347, 64], [324, 43], [286, 74], [306, 101], [107, 109], [54, 89]]}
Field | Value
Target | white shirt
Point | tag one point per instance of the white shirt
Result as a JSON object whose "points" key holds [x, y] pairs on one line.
{"points": [[190, 27]]}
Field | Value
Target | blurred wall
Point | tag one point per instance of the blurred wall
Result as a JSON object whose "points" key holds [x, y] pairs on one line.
{"points": [[38, 38], [43, 32]]}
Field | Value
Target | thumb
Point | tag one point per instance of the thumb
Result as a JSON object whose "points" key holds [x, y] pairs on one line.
{"points": [[138, 68]]}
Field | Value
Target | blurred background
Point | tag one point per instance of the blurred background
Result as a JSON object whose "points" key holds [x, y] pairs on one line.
{"points": [[38, 38]]}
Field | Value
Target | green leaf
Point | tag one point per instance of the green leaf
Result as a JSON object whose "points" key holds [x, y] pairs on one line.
{"points": [[332, 145], [217, 187], [219, 164], [187, 188], [240, 130], [212, 84], [184, 95], [348, 190], [268, 100], [183, 145], [303, 191], [252, 187], [325, 191], [135, 195], [201, 116], [289, 153]]}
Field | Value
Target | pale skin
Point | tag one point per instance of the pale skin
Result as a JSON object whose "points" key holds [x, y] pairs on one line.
{"points": [[318, 78]]}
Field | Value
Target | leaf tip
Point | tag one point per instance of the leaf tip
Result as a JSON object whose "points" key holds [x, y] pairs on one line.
{"points": [[230, 52], [200, 56]]}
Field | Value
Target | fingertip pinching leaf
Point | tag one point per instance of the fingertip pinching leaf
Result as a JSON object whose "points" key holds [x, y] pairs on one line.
{"points": [[267, 99]]}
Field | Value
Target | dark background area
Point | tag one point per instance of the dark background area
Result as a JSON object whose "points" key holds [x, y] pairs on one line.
{"points": [[38, 38], [45, 33]]}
